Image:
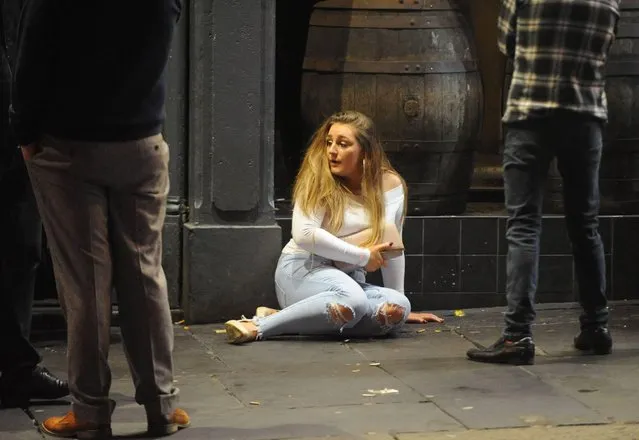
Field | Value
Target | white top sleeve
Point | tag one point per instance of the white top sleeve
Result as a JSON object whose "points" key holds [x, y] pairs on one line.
{"points": [[308, 234], [393, 274]]}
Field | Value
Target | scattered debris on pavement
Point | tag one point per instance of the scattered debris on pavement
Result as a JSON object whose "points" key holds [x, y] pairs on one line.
{"points": [[372, 393]]}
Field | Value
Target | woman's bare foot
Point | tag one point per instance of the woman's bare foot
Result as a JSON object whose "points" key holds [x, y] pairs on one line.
{"points": [[240, 331], [263, 312], [421, 318]]}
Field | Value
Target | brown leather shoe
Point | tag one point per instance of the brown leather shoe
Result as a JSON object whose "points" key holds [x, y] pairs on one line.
{"points": [[160, 428], [68, 426]]}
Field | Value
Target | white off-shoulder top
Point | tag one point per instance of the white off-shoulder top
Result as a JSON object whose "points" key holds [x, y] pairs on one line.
{"points": [[308, 236]]}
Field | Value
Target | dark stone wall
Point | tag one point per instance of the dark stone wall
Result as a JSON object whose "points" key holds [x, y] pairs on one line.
{"points": [[457, 262], [231, 242], [10, 19]]}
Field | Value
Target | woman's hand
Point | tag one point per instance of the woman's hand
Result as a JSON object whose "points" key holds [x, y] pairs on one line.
{"points": [[376, 260], [421, 318]]}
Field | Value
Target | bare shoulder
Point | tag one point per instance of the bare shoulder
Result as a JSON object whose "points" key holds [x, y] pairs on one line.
{"points": [[390, 181]]}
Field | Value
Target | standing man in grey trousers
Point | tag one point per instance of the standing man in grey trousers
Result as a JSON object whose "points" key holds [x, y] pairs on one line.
{"points": [[87, 110]]}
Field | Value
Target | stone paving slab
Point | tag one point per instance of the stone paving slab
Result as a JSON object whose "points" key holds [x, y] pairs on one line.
{"points": [[368, 436], [474, 393], [431, 341], [611, 389], [594, 432], [343, 420], [308, 388], [487, 396], [16, 424], [597, 432], [318, 385], [21, 435], [273, 354]]}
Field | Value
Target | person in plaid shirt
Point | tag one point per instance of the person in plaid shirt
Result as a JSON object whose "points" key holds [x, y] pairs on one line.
{"points": [[556, 108]]}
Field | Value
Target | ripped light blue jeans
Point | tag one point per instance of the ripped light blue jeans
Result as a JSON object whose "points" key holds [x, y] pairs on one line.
{"points": [[319, 299]]}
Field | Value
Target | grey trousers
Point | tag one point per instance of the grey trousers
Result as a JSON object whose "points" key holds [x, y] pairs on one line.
{"points": [[103, 208]]}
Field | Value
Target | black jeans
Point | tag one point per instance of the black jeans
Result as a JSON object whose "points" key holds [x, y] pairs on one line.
{"points": [[20, 242], [576, 141], [20, 245]]}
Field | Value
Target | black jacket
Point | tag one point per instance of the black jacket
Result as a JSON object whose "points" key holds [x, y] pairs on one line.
{"points": [[14, 181], [91, 70], [5, 81]]}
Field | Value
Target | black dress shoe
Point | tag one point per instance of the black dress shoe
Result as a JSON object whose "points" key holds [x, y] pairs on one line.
{"points": [[505, 351], [45, 386], [18, 388], [595, 340]]}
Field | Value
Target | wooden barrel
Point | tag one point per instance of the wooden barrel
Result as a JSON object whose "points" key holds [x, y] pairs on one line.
{"points": [[619, 174], [291, 30], [483, 16], [411, 66]]}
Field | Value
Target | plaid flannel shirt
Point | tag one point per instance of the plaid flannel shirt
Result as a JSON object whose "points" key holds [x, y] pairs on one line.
{"points": [[559, 50]]}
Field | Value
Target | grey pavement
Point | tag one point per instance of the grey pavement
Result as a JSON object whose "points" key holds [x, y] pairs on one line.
{"points": [[417, 385]]}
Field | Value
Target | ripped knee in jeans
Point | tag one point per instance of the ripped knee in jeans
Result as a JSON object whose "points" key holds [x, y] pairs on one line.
{"points": [[390, 314], [340, 314]]}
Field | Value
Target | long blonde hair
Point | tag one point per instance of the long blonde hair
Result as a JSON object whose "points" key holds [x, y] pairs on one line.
{"points": [[316, 187]]}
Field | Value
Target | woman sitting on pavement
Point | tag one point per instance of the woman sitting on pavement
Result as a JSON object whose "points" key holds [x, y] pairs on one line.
{"points": [[349, 204]]}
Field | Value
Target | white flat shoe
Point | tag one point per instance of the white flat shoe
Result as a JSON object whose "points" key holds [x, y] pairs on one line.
{"points": [[238, 333]]}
